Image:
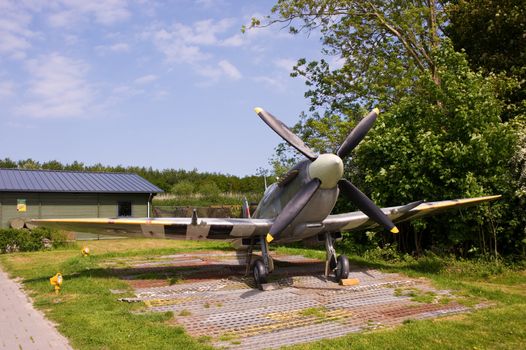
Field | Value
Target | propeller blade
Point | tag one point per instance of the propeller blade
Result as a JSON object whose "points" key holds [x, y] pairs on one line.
{"points": [[366, 205], [293, 208], [357, 134], [285, 133]]}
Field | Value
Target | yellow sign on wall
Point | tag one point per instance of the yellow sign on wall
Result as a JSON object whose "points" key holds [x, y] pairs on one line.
{"points": [[21, 206]]}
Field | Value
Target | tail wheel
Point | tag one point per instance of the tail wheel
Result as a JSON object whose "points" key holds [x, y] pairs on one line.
{"points": [[259, 272], [342, 268]]}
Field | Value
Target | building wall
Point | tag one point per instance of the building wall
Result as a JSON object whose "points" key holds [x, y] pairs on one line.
{"points": [[68, 205]]}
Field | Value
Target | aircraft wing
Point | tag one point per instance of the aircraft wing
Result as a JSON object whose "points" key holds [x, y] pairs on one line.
{"points": [[358, 221], [171, 228]]}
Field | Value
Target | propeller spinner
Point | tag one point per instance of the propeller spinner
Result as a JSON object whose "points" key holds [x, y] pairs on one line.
{"points": [[326, 171]]}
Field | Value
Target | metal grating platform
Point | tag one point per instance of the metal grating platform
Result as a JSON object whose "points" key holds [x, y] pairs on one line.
{"points": [[222, 305]]}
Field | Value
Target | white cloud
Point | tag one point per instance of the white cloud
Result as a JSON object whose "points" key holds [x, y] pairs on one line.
{"points": [[270, 82], [285, 63], [229, 70], [70, 12], [234, 41], [117, 48], [208, 4], [161, 94], [213, 73], [146, 79], [58, 88], [7, 89], [15, 34], [182, 43]]}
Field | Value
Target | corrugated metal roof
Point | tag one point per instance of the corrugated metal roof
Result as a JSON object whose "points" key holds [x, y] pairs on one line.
{"points": [[14, 180]]}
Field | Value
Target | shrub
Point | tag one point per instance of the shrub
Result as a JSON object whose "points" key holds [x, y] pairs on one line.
{"points": [[23, 240]]}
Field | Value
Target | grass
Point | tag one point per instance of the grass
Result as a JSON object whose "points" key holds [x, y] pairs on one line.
{"points": [[318, 312], [90, 316]]}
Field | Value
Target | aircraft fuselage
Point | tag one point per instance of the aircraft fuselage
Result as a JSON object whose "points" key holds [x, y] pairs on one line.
{"points": [[309, 221]]}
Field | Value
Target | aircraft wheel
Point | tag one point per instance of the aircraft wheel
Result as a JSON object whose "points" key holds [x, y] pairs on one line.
{"points": [[342, 268], [332, 263], [259, 273]]}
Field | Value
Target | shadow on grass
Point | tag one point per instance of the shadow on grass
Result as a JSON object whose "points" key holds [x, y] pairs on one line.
{"points": [[423, 265], [192, 270]]}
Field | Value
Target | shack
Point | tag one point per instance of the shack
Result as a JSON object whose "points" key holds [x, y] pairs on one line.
{"points": [[46, 194]]}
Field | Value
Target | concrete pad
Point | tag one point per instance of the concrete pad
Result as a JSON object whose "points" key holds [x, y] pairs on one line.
{"points": [[22, 326], [298, 305]]}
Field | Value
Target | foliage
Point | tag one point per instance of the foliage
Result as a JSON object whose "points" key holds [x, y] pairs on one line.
{"points": [[458, 147], [13, 240], [497, 25], [380, 45], [183, 188], [493, 35], [518, 168], [165, 179], [442, 135], [209, 189], [199, 200]]}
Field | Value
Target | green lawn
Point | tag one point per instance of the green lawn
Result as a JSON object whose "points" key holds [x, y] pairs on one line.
{"points": [[89, 315]]}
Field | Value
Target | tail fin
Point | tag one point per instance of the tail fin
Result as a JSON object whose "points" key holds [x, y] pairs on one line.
{"points": [[246, 208]]}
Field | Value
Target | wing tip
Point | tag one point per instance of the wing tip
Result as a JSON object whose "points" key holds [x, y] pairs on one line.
{"points": [[376, 110], [258, 110]]}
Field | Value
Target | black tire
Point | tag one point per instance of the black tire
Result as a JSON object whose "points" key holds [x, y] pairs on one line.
{"points": [[332, 263], [259, 272], [342, 268]]}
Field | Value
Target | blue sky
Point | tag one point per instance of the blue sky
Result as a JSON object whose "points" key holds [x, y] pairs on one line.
{"points": [[167, 84]]}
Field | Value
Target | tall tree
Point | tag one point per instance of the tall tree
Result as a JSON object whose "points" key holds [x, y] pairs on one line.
{"points": [[493, 35], [382, 45], [442, 135], [492, 32]]}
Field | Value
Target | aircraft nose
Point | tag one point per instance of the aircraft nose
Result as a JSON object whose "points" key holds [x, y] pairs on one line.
{"points": [[328, 168]]}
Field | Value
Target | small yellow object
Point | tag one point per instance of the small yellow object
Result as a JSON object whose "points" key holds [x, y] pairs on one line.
{"points": [[85, 251], [56, 281], [258, 110], [269, 238], [350, 282], [376, 110], [394, 230]]}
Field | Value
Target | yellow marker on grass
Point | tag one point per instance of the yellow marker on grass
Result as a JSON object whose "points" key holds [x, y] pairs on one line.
{"points": [[56, 281]]}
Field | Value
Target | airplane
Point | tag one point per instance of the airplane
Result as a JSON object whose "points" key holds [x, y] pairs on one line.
{"points": [[296, 208]]}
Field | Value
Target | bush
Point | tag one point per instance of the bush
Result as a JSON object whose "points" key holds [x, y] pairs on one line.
{"points": [[183, 188], [13, 240]]}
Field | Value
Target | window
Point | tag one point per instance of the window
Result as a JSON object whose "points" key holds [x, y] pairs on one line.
{"points": [[124, 209]]}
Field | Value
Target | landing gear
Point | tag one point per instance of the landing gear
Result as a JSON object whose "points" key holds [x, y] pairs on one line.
{"points": [[262, 266], [342, 268], [339, 265], [260, 273]]}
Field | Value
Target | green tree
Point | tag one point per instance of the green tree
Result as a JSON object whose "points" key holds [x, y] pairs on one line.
{"points": [[492, 32], [382, 44], [442, 135], [7, 163], [209, 189], [28, 164], [53, 165], [460, 148], [493, 35], [183, 188]]}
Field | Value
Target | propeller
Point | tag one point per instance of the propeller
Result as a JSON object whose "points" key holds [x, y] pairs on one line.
{"points": [[366, 205], [292, 209], [357, 134], [326, 171], [285, 133]]}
